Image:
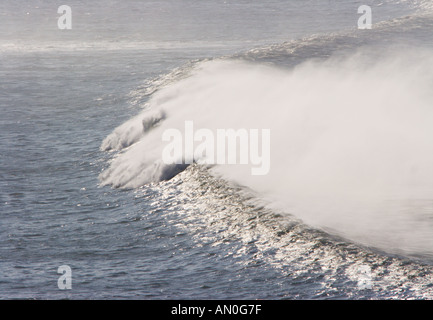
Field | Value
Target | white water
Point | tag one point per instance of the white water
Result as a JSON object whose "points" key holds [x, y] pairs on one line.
{"points": [[351, 139]]}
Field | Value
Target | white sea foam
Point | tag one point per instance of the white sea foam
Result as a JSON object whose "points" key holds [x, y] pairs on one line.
{"points": [[351, 139]]}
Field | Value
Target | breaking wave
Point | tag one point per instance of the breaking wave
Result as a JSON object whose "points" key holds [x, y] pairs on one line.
{"points": [[351, 135]]}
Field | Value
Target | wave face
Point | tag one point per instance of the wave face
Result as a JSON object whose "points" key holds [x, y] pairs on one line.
{"points": [[350, 119]]}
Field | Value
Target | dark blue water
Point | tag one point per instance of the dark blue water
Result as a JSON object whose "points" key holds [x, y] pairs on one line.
{"points": [[193, 237]]}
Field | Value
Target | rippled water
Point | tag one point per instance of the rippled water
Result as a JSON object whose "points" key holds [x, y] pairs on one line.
{"points": [[197, 235]]}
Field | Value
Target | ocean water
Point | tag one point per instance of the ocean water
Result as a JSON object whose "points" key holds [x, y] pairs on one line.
{"points": [[345, 211]]}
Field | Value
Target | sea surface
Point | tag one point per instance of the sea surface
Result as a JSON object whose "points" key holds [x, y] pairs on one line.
{"points": [[345, 212]]}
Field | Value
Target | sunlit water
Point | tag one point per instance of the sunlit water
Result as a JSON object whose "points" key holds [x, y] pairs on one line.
{"points": [[215, 233]]}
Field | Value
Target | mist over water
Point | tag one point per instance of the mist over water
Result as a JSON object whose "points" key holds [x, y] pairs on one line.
{"points": [[83, 182], [350, 139]]}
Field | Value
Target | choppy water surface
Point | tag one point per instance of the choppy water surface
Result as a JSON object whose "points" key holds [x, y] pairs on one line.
{"points": [[349, 187]]}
